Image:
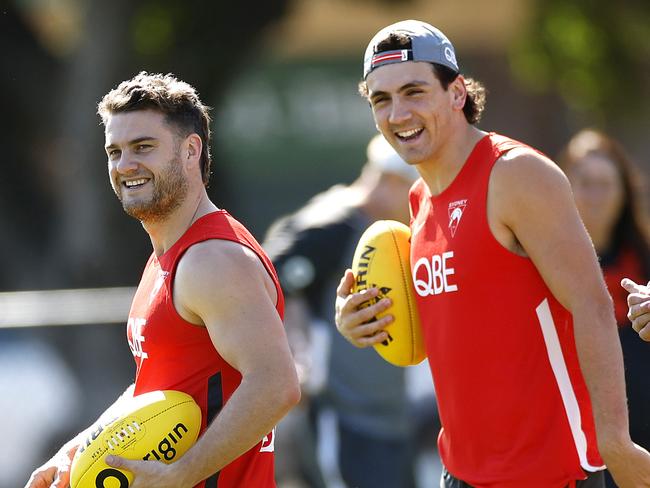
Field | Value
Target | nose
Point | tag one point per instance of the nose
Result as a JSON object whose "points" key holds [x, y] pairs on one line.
{"points": [[399, 112], [125, 164]]}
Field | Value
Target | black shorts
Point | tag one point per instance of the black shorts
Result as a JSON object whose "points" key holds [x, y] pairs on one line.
{"points": [[594, 480]]}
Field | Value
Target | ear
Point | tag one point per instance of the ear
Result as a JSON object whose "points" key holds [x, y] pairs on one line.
{"points": [[192, 148], [458, 92]]}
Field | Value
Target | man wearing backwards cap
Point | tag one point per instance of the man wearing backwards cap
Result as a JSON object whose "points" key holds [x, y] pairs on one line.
{"points": [[310, 249], [517, 320]]}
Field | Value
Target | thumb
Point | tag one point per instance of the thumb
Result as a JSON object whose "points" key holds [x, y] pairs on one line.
{"points": [[120, 462], [346, 283]]}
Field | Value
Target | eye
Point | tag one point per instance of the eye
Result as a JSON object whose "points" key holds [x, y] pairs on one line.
{"points": [[143, 147], [379, 101], [114, 154], [414, 91]]}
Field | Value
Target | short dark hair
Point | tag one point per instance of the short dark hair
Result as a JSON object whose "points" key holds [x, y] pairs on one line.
{"points": [[476, 93], [176, 100]]}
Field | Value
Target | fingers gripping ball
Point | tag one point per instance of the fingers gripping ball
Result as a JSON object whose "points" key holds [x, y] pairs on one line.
{"points": [[381, 260], [160, 425]]}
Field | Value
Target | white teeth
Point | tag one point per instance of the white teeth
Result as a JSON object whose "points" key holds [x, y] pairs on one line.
{"points": [[135, 182], [408, 133]]}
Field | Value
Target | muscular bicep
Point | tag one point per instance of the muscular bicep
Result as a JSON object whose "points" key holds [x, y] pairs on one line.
{"points": [[536, 204], [228, 288]]}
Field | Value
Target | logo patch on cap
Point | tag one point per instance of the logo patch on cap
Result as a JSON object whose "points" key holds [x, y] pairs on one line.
{"points": [[427, 44], [391, 57], [449, 54]]}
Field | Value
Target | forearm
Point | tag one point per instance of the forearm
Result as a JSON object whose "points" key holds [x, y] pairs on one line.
{"points": [[252, 412], [108, 415], [57, 468], [601, 362]]}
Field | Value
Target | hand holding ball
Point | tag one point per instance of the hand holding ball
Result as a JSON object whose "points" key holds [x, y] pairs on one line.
{"points": [[381, 260], [160, 425]]}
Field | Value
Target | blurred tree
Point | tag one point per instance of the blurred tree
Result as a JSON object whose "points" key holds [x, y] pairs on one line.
{"points": [[595, 53], [24, 194]]}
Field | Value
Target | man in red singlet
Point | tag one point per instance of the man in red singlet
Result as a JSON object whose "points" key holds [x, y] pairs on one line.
{"points": [[207, 316], [518, 324]]}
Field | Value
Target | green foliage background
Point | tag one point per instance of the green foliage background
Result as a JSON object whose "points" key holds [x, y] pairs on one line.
{"points": [[595, 53]]}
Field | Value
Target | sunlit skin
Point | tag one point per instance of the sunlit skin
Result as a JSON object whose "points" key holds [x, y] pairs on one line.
{"points": [[638, 302], [143, 150], [421, 120], [599, 195], [140, 146]]}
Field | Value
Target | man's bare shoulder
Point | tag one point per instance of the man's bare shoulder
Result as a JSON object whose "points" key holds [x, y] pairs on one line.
{"points": [[217, 271], [219, 259], [527, 190], [524, 172]]}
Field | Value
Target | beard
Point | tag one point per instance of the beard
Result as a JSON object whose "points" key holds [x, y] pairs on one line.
{"points": [[169, 192]]}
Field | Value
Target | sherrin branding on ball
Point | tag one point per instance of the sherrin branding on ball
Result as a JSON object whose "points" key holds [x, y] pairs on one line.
{"points": [[160, 425], [381, 260]]}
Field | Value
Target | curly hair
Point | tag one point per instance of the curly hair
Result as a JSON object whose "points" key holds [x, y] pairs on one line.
{"points": [[176, 100], [476, 93]]}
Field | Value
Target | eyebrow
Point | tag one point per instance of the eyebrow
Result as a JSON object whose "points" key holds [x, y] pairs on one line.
{"points": [[137, 140], [412, 84]]}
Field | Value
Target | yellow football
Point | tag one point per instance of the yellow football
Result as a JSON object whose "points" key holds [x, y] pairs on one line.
{"points": [[160, 425], [381, 260]]}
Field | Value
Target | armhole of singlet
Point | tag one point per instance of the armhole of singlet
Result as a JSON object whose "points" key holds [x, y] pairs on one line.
{"points": [[508, 153]]}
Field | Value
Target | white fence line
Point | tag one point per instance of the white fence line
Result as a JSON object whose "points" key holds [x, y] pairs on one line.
{"points": [[65, 307]]}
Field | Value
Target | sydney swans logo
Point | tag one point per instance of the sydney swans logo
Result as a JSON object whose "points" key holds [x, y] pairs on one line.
{"points": [[455, 211]]}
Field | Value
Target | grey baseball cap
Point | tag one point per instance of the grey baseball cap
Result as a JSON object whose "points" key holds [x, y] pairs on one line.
{"points": [[428, 44]]}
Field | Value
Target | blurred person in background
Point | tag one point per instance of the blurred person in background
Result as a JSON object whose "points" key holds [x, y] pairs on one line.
{"points": [[609, 196], [518, 326], [368, 396], [31, 374], [206, 318]]}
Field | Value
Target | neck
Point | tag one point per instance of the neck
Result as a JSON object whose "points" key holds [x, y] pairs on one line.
{"points": [[444, 165], [165, 233]]}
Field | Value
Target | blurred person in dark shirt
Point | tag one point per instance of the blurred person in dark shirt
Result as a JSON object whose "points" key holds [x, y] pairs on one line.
{"points": [[311, 248]]}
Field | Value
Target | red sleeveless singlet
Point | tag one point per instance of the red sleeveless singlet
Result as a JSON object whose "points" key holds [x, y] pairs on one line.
{"points": [[514, 407], [171, 353]]}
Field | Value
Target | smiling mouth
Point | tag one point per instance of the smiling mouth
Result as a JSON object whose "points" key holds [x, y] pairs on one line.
{"points": [[134, 183], [408, 135]]}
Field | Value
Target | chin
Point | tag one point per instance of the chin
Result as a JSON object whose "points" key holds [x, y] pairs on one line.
{"points": [[412, 157], [152, 211], [136, 210]]}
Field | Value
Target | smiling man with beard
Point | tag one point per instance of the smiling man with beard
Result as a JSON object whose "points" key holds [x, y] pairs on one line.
{"points": [[169, 191], [207, 316]]}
